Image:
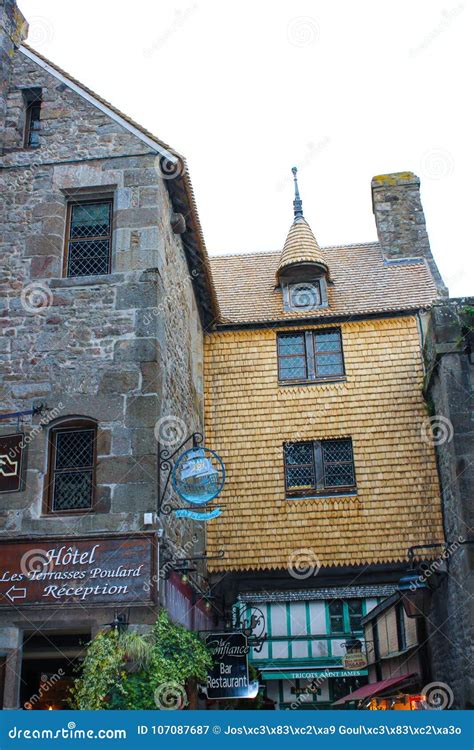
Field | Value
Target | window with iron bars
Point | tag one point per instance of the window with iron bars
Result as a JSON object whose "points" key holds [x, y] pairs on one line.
{"points": [[72, 467], [309, 356], [319, 467], [89, 238]]}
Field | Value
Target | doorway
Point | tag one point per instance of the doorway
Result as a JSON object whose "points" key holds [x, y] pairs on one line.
{"points": [[49, 665]]}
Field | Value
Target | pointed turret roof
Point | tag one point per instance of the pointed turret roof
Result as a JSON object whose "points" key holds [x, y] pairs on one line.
{"points": [[301, 246]]}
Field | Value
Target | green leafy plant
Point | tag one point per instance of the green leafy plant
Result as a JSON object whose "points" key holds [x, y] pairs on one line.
{"points": [[132, 671]]}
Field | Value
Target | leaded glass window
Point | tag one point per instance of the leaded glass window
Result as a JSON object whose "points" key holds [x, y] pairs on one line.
{"points": [[89, 238], [308, 356], [72, 459], [319, 467]]}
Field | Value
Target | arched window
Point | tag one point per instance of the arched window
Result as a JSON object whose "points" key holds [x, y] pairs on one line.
{"points": [[71, 470]]}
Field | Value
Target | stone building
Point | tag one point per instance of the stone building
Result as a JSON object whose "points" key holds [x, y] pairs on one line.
{"points": [[449, 388], [314, 399], [105, 291]]}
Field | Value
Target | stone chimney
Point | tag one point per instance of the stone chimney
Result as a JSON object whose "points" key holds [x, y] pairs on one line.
{"points": [[13, 30], [401, 225]]}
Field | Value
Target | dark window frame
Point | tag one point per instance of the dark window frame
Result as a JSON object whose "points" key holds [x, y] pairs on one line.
{"points": [[72, 425], [311, 355], [319, 488], [69, 241], [401, 627], [30, 127]]}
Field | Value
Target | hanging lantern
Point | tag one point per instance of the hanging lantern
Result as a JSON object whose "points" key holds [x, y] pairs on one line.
{"points": [[416, 595]]}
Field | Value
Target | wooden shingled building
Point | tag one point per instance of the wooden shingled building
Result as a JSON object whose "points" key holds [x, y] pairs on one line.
{"points": [[313, 381]]}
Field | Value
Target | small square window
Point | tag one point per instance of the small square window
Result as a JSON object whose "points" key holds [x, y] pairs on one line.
{"points": [[319, 467], [305, 296]]}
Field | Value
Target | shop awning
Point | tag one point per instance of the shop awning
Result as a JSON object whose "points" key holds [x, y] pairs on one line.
{"points": [[374, 688], [310, 674]]}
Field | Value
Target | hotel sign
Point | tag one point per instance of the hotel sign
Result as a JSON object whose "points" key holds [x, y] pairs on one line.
{"points": [[229, 677], [83, 571], [11, 462]]}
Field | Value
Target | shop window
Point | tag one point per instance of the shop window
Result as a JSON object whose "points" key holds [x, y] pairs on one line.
{"points": [[72, 457], [310, 356], [319, 467], [88, 238]]}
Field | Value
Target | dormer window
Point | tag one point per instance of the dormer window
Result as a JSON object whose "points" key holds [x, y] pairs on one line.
{"points": [[304, 295]]}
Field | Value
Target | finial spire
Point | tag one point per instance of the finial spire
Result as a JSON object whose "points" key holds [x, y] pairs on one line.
{"points": [[297, 203]]}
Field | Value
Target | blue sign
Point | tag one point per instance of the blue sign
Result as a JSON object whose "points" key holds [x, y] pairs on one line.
{"points": [[198, 477]]}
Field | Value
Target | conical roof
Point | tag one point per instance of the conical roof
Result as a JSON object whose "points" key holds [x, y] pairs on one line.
{"points": [[301, 245]]}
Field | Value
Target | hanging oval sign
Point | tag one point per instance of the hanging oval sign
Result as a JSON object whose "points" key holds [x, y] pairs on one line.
{"points": [[198, 475]]}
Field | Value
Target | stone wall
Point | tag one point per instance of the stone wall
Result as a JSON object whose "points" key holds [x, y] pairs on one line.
{"points": [[124, 349], [450, 396]]}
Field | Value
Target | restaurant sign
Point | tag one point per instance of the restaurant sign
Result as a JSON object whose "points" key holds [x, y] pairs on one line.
{"points": [[84, 571], [12, 450], [229, 677], [354, 660]]}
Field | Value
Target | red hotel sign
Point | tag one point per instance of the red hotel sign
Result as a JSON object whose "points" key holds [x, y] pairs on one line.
{"points": [[117, 569]]}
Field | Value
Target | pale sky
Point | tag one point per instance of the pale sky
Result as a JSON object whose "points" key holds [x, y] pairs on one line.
{"points": [[344, 90]]}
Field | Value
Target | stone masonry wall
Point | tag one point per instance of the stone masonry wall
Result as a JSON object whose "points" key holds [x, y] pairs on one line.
{"points": [[126, 348], [450, 395]]}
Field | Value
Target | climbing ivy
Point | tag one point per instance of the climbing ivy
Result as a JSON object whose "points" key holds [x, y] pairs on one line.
{"points": [[133, 671]]}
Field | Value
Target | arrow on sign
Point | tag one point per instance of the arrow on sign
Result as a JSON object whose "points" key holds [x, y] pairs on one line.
{"points": [[8, 468], [15, 593]]}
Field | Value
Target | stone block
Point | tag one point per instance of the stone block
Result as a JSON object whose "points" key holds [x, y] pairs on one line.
{"points": [[136, 350], [126, 470], [152, 377], [136, 295], [45, 266], [141, 411], [144, 442], [119, 381], [135, 497], [104, 442]]}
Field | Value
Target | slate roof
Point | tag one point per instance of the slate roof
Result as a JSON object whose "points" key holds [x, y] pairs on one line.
{"points": [[361, 282], [362, 591]]}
